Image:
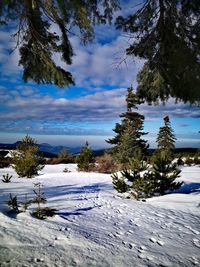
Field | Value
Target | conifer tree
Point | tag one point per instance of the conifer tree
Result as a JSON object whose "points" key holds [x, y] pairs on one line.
{"points": [[166, 138], [27, 159], [37, 40], [142, 183], [166, 34], [85, 158], [129, 132], [164, 173]]}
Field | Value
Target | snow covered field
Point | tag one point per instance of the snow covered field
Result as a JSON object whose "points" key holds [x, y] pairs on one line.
{"points": [[95, 227]]}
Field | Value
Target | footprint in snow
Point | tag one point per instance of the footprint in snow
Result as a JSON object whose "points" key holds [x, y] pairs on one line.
{"points": [[191, 229], [136, 224], [152, 239], [195, 261], [118, 211], [144, 255], [129, 245], [119, 233], [142, 248], [196, 242], [170, 217], [159, 215], [159, 242]]}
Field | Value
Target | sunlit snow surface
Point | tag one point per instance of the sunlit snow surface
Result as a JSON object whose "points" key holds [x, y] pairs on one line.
{"points": [[94, 226]]}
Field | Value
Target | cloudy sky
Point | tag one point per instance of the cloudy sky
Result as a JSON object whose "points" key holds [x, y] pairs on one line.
{"points": [[90, 109]]}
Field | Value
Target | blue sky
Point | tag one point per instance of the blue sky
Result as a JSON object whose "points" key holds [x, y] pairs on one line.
{"points": [[90, 109]]}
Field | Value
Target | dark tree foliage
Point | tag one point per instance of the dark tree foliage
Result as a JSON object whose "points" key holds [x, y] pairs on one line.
{"points": [[4, 161], [166, 34], [128, 140], [166, 138], [119, 183], [38, 42]]}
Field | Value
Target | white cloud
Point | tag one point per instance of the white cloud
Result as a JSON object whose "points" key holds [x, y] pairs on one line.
{"points": [[102, 106]]}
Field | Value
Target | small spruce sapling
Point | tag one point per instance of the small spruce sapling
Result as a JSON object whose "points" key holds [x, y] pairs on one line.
{"points": [[85, 159], [13, 204], [39, 199], [41, 212], [6, 178]]}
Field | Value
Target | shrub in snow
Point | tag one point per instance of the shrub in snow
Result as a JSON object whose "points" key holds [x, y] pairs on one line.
{"points": [[188, 161], [132, 179], [7, 178], [64, 156], [66, 170], [196, 159], [18, 206], [41, 212], [85, 159], [180, 161], [119, 183], [40, 198], [4, 161], [106, 164], [27, 159], [13, 204], [141, 182]]}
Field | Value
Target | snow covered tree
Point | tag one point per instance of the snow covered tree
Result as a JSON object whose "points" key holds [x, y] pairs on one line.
{"points": [[27, 159], [166, 138], [135, 180], [142, 182], [129, 132], [119, 183], [85, 158]]}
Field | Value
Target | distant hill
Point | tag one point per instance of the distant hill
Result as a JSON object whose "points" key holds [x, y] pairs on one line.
{"points": [[51, 151]]}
